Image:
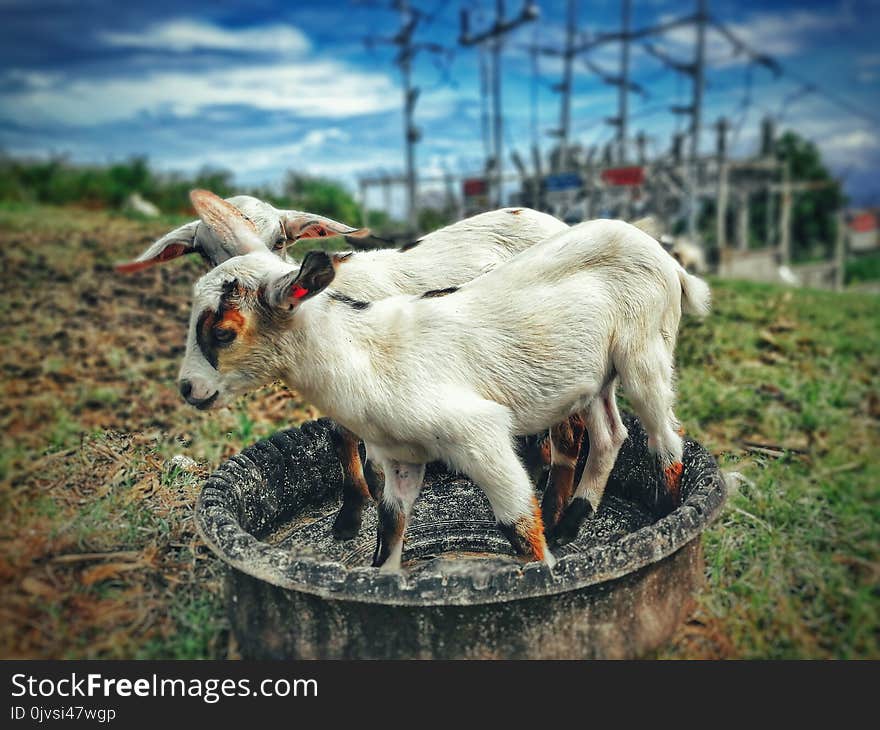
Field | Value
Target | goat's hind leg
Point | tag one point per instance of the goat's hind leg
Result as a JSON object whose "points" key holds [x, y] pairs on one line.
{"points": [[648, 385], [607, 434], [355, 491], [565, 446], [403, 482]]}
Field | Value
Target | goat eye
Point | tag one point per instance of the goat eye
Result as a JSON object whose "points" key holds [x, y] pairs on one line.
{"points": [[223, 336]]}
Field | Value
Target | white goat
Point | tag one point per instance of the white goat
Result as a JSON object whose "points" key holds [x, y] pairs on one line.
{"points": [[453, 375], [447, 257], [272, 226]]}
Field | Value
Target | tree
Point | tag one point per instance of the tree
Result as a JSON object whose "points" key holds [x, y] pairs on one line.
{"points": [[322, 196], [813, 226]]}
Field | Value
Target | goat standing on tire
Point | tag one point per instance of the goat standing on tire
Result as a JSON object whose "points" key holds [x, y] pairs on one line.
{"points": [[456, 375], [447, 257]]}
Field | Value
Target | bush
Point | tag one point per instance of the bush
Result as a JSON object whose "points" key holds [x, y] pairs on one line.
{"points": [[57, 181]]}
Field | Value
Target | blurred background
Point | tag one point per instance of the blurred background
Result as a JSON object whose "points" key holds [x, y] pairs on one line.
{"points": [[748, 129]]}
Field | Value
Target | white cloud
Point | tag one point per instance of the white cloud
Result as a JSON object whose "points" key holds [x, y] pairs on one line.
{"points": [[859, 139], [310, 149], [28, 78], [192, 35], [308, 89], [780, 34]]}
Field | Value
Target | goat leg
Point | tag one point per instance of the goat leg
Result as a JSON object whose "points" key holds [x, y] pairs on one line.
{"points": [[355, 490]]}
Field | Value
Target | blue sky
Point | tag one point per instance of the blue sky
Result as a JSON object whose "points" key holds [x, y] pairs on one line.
{"points": [[261, 87]]}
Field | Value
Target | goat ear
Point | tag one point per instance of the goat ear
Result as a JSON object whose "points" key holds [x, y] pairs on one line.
{"points": [[298, 225], [180, 242], [313, 277], [235, 231]]}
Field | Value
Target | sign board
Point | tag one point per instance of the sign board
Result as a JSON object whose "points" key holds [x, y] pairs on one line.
{"points": [[633, 175], [475, 186], [562, 181]]}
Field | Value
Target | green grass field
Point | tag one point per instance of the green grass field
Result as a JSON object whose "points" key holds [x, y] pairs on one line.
{"points": [[98, 552]]}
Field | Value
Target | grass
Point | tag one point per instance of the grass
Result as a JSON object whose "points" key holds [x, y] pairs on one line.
{"points": [[863, 268], [98, 552]]}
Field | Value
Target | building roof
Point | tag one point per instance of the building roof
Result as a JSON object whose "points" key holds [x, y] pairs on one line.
{"points": [[863, 223]]}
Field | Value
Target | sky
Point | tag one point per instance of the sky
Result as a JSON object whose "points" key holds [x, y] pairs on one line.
{"points": [[262, 87]]}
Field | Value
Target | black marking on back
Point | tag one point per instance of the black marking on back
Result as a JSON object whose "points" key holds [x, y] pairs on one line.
{"points": [[410, 246], [345, 299], [439, 292]]}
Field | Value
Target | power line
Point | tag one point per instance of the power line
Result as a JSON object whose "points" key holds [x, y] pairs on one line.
{"points": [[493, 37], [410, 18], [777, 68]]}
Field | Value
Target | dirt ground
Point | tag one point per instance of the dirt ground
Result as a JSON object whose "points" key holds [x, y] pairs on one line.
{"points": [[98, 552]]}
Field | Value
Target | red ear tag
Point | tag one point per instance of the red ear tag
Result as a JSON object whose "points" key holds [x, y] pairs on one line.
{"points": [[299, 292]]}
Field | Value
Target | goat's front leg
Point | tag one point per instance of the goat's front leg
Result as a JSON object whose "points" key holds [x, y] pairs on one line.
{"points": [[489, 459], [565, 447], [402, 484], [355, 491]]}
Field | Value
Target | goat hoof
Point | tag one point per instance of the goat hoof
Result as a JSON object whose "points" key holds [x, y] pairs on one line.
{"points": [[347, 523], [572, 519]]}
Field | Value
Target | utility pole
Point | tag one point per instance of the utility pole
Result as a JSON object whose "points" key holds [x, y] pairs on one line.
{"points": [[411, 133], [566, 86], [494, 38], [407, 51], [623, 89], [702, 17], [721, 207]]}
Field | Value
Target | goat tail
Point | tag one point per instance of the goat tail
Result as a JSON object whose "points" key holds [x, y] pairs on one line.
{"points": [[696, 297]]}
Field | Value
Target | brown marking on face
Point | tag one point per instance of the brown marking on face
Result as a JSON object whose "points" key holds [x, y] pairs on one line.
{"points": [[681, 431], [439, 292], [516, 211], [232, 319], [222, 329]]}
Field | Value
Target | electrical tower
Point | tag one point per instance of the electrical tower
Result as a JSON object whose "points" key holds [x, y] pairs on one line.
{"points": [[493, 37], [407, 51]]}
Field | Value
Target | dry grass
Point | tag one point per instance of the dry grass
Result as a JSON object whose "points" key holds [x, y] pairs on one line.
{"points": [[98, 555]]}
